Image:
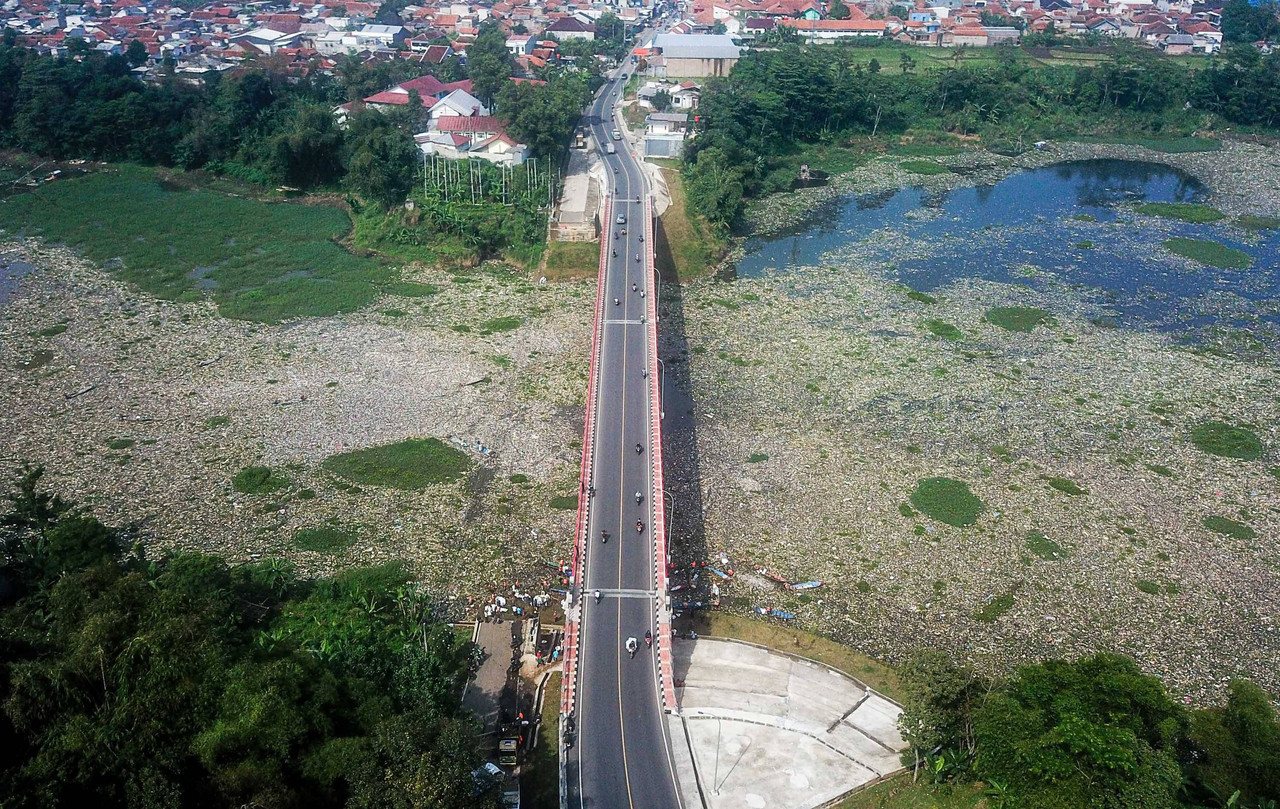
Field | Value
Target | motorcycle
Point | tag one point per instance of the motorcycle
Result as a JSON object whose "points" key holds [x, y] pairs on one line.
{"points": [[632, 645], [616, 301], [639, 497], [639, 448], [615, 253], [604, 537], [639, 527], [648, 639], [597, 596]]}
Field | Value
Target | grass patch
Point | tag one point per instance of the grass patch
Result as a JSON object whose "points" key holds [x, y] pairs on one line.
{"points": [[260, 261], [1251, 222], [1066, 486], [1228, 527], [926, 167], [540, 778], [925, 150], [324, 538], [519, 477], [1045, 548], [920, 297], [900, 793], [1182, 211], [1227, 441], [994, 608], [567, 503], [1209, 253], [1147, 586], [120, 443], [569, 260], [411, 464], [500, 324], [947, 501], [686, 245], [259, 480], [943, 329], [52, 331], [1018, 318], [881, 677]]}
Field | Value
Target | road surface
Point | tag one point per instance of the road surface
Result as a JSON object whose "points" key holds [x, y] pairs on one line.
{"points": [[622, 756]]}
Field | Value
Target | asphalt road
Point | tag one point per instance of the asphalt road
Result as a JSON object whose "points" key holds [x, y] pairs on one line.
{"points": [[622, 757]]}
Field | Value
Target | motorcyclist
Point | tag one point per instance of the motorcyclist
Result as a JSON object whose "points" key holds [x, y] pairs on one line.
{"points": [[639, 497], [639, 525], [615, 253], [639, 448], [634, 286], [637, 256], [597, 596], [648, 639], [632, 645], [604, 537], [616, 301]]}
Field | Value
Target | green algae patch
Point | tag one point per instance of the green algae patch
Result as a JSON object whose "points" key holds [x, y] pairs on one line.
{"points": [[1182, 211], [1227, 441], [1209, 253], [947, 501], [1018, 318], [1228, 527], [415, 463], [943, 329]]}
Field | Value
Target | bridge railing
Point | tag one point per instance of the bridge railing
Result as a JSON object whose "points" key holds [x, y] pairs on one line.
{"points": [[661, 557]]}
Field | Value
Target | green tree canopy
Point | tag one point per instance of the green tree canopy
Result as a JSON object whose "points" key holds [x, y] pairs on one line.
{"points": [[489, 63]]}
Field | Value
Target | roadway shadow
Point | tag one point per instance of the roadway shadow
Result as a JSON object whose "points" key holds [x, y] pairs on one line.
{"points": [[681, 471]]}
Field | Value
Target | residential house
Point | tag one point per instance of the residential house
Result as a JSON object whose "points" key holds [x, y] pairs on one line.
{"points": [[571, 28], [664, 133], [458, 137], [820, 31]]}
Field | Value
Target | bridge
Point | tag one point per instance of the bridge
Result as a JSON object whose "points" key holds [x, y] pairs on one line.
{"points": [[615, 748]]}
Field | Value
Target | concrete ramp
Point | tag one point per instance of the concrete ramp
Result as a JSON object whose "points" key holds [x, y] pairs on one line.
{"points": [[765, 729]]}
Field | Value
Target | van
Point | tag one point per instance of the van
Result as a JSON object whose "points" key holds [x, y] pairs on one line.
{"points": [[610, 148]]}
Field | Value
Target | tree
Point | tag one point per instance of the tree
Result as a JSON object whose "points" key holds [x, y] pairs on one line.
{"points": [[489, 63], [383, 160], [661, 101], [907, 63], [1238, 747], [719, 28], [838, 10], [1244, 22], [939, 698], [873, 66], [1093, 732], [136, 53]]}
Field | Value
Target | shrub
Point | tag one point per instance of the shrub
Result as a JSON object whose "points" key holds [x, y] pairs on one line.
{"points": [[947, 501]]}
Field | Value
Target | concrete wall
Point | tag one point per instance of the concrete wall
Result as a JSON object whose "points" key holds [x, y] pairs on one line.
{"points": [[697, 68]]}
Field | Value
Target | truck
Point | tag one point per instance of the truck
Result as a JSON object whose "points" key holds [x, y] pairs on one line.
{"points": [[610, 148]]}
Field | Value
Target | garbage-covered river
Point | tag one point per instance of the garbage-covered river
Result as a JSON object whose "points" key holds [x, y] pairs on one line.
{"points": [[1072, 224]]}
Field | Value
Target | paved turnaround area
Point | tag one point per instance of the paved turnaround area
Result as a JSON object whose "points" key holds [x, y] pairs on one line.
{"points": [[622, 755], [772, 730]]}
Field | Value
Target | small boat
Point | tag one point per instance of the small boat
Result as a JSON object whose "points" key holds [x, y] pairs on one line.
{"points": [[721, 573]]}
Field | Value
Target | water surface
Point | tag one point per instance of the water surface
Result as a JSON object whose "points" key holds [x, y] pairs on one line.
{"points": [[1070, 224]]}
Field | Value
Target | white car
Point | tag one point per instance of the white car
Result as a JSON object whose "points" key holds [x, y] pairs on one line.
{"points": [[622, 220]]}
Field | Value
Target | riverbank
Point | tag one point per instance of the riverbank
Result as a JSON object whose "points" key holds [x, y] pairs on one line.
{"points": [[146, 409], [826, 393]]}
